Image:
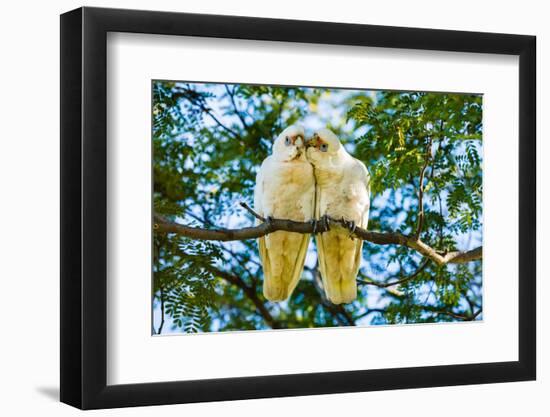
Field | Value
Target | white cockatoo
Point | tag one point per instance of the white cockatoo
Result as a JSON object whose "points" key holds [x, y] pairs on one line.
{"points": [[342, 192], [285, 189]]}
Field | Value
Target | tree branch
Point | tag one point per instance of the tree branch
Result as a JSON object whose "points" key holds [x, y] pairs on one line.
{"points": [[251, 294], [371, 311], [198, 100], [427, 159], [247, 208], [159, 331], [462, 317], [395, 281], [231, 95], [163, 225]]}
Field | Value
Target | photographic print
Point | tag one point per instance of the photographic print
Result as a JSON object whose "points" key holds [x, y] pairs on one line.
{"points": [[291, 207]]}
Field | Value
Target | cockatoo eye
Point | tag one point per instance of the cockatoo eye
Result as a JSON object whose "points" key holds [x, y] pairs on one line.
{"points": [[323, 147], [287, 141]]}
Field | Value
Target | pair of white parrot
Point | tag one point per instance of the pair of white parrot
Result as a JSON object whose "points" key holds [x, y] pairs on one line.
{"points": [[305, 180]]}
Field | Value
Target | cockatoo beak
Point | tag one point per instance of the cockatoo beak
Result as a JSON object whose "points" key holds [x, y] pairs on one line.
{"points": [[299, 143]]}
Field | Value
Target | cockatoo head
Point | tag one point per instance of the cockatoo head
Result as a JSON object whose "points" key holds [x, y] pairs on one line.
{"points": [[323, 145], [290, 144]]}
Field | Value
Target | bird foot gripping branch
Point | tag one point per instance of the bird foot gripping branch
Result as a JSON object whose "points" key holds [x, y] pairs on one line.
{"points": [[320, 226]]}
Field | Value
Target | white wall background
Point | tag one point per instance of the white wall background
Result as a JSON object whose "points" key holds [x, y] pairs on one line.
{"points": [[29, 236]]}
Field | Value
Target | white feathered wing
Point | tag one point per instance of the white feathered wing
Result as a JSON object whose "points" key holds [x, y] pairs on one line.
{"points": [[284, 190], [339, 255]]}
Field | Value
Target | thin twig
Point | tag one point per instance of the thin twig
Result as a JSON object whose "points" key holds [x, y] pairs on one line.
{"points": [[398, 281], [193, 97], [250, 292], [371, 311], [247, 208], [427, 159], [458, 316], [231, 95]]}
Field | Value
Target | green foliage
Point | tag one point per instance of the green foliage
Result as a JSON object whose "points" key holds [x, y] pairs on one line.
{"points": [[208, 142], [406, 132]]}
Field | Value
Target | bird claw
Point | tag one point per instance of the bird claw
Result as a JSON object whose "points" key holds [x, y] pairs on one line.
{"points": [[344, 222], [320, 225], [351, 225], [326, 223], [314, 223]]}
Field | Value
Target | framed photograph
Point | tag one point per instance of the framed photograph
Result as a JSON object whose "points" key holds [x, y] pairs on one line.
{"points": [[257, 208]]}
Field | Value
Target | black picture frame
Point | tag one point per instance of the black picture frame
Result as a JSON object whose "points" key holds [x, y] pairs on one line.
{"points": [[84, 207]]}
